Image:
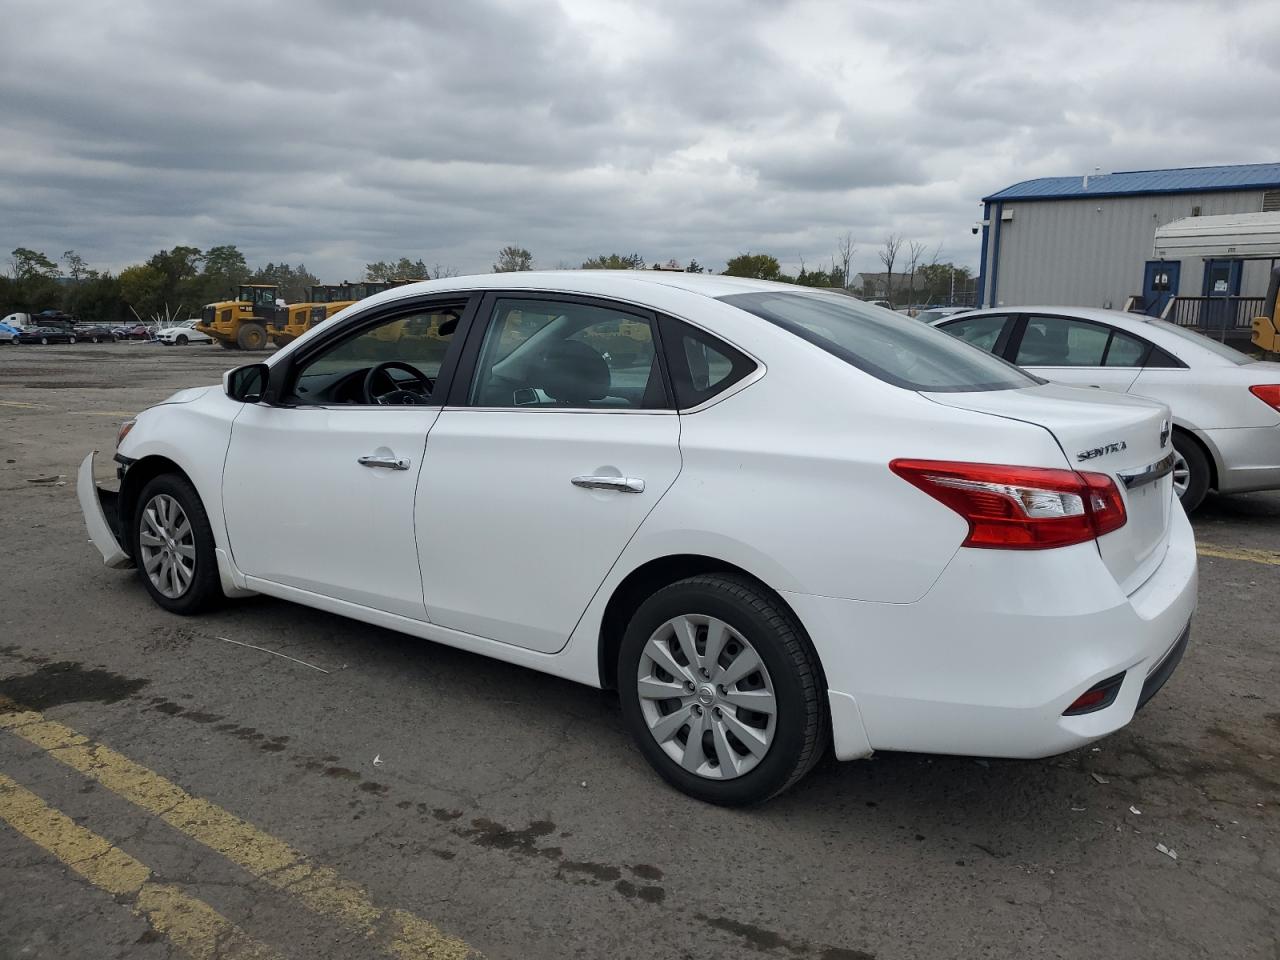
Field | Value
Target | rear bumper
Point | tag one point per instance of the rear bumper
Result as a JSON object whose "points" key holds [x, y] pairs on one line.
{"points": [[988, 661], [1248, 458], [101, 516]]}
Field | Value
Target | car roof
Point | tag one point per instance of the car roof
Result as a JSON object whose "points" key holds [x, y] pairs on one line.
{"points": [[599, 281]]}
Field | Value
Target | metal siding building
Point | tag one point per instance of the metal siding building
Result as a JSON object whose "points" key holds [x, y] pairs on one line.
{"points": [[1080, 241]]}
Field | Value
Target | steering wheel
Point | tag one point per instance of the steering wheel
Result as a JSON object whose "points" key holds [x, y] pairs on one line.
{"points": [[398, 394]]}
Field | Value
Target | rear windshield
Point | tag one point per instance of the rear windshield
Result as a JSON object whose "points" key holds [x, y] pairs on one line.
{"points": [[887, 345], [1213, 346]]}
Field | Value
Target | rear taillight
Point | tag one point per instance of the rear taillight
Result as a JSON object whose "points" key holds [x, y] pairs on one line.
{"points": [[1268, 393], [1020, 508]]}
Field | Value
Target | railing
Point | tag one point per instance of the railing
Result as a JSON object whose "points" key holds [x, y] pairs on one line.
{"points": [[1213, 314]]}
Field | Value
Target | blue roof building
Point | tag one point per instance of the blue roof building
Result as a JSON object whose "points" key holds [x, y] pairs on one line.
{"points": [[1089, 240]]}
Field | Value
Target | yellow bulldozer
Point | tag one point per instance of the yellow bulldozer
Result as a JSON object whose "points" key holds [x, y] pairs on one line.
{"points": [[241, 324]]}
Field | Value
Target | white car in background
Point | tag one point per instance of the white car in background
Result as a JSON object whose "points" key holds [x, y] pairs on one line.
{"points": [[774, 519], [931, 314], [180, 334], [1226, 404]]}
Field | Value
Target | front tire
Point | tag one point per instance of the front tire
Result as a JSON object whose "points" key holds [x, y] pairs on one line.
{"points": [[1190, 471], [44, 341], [71, 339], [721, 690], [172, 545], [252, 336], [181, 340]]}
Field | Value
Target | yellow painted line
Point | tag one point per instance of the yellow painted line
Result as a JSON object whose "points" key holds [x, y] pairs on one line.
{"points": [[101, 413], [1234, 553], [270, 860], [194, 926], [24, 406]]}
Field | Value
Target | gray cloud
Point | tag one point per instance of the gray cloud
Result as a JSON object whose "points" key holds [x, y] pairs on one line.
{"points": [[338, 134]]}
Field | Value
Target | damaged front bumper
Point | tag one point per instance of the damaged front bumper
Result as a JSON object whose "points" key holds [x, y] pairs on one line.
{"points": [[101, 516]]}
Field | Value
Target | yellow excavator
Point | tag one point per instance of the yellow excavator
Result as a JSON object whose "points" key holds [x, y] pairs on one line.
{"points": [[241, 324]]}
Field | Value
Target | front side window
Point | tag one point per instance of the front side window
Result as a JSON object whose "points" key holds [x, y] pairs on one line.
{"points": [[887, 345], [558, 354], [394, 362]]}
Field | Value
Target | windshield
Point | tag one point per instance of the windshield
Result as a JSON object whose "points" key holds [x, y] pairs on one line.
{"points": [[887, 345], [1213, 346]]}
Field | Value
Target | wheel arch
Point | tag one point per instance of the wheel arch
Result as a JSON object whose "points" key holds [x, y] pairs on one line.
{"points": [[1210, 454], [141, 472], [651, 576]]}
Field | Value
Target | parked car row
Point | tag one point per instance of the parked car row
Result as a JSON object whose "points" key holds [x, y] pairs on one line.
{"points": [[179, 334]]}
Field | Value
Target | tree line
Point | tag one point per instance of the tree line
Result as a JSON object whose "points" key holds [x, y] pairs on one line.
{"points": [[923, 278], [176, 283]]}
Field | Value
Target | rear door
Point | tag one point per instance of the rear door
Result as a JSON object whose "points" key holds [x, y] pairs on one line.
{"points": [[558, 439], [1078, 352]]}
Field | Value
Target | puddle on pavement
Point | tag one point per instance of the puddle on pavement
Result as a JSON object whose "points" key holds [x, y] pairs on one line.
{"points": [[68, 682]]}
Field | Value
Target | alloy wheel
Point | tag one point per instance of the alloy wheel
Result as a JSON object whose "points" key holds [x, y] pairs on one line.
{"points": [[167, 544], [707, 697], [1181, 474]]}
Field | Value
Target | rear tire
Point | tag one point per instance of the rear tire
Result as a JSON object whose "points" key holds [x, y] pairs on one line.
{"points": [[252, 336], [171, 528], [44, 341], [747, 619], [71, 339], [1191, 471]]}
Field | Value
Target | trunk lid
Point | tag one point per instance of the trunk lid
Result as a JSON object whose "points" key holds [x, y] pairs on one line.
{"points": [[1101, 432]]}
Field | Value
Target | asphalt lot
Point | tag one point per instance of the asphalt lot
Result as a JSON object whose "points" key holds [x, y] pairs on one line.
{"points": [[417, 801]]}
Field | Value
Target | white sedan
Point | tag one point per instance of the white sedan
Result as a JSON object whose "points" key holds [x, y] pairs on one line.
{"points": [[181, 334], [776, 520], [1226, 404]]}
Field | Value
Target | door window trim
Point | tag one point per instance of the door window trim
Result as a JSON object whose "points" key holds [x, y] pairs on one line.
{"points": [[1020, 327], [284, 373], [464, 372]]}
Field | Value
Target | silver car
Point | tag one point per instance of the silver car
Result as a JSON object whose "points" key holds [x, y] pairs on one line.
{"points": [[1226, 404]]}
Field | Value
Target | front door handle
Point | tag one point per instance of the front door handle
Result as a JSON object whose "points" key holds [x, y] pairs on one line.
{"points": [[387, 463], [620, 484]]}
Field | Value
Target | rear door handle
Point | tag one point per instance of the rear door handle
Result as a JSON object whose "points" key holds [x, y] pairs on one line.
{"points": [[620, 484], [387, 463]]}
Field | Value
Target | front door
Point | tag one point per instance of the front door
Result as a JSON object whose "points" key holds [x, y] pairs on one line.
{"points": [[1159, 284], [1221, 283], [319, 491], [557, 442]]}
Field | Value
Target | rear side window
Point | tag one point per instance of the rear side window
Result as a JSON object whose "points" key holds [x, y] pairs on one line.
{"points": [[1125, 351], [701, 365], [887, 345]]}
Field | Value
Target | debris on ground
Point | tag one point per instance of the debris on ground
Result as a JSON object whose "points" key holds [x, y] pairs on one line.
{"points": [[1171, 854], [378, 761], [1099, 778], [51, 478], [1135, 811], [274, 653]]}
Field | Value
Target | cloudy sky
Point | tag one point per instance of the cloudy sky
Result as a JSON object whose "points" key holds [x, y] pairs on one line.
{"points": [[337, 133]]}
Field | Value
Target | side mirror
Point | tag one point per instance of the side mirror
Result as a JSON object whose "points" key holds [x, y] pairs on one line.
{"points": [[246, 384]]}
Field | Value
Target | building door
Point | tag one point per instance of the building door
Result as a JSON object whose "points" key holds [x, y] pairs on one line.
{"points": [[1221, 283], [1159, 284]]}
